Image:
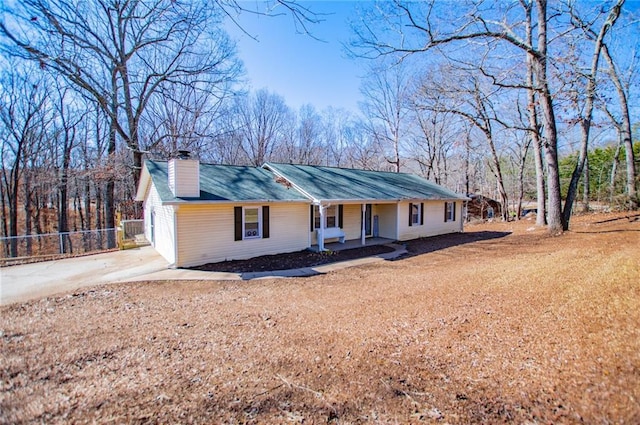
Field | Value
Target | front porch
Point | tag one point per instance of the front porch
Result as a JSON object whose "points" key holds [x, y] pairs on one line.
{"points": [[352, 243]]}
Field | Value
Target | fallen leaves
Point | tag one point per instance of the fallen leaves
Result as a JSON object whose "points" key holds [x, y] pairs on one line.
{"points": [[500, 324]]}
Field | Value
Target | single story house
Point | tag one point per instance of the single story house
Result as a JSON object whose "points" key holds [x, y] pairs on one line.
{"points": [[196, 213]]}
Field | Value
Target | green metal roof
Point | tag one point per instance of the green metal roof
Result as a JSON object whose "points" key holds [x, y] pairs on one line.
{"points": [[329, 183], [226, 183]]}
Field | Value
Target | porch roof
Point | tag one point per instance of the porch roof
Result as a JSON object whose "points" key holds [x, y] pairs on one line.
{"points": [[330, 183], [226, 183]]}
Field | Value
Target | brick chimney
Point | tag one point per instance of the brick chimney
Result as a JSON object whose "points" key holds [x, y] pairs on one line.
{"points": [[184, 176]]}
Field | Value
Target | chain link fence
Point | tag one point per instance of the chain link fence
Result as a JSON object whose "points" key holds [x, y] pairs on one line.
{"points": [[29, 248]]}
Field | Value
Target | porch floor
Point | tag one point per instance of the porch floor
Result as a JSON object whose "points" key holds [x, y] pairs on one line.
{"points": [[352, 243]]}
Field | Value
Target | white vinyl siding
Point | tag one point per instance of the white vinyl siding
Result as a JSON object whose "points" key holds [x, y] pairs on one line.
{"points": [[206, 233], [352, 221], [433, 221], [163, 225], [387, 220], [184, 178]]}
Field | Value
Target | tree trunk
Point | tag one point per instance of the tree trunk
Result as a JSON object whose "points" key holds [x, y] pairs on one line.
{"points": [[555, 217], [541, 196], [588, 112], [13, 210], [504, 199], [87, 209], [625, 130], [109, 208], [63, 208], [614, 170], [585, 186], [521, 166], [27, 213], [5, 229], [99, 212], [110, 187]]}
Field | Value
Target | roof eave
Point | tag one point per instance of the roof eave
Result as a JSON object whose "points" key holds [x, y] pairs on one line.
{"points": [[232, 201], [388, 200]]}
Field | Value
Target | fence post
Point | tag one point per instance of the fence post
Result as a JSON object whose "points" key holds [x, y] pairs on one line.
{"points": [[61, 243]]}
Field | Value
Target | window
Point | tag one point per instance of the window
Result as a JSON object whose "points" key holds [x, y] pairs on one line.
{"points": [[251, 223], [449, 211], [416, 214], [330, 217]]}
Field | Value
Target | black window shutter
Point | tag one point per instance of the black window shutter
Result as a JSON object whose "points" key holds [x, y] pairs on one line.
{"points": [[454, 211], [265, 222], [311, 215], [237, 223], [410, 214], [445, 211], [421, 213], [340, 215]]}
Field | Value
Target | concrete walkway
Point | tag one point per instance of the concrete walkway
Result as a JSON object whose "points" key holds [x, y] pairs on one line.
{"points": [[31, 281]]}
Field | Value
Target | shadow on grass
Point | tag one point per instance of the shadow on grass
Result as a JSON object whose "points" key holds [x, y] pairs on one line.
{"points": [[436, 243], [630, 217], [595, 232]]}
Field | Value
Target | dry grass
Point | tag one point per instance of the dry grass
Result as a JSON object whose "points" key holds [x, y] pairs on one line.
{"points": [[522, 328]]}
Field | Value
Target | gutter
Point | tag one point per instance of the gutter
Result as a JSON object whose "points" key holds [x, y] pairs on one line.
{"points": [[311, 200], [232, 201]]}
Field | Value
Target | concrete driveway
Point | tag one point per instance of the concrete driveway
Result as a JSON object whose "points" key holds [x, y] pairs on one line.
{"points": [[31, 281]]}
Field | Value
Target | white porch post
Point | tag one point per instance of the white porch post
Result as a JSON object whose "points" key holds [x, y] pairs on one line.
{"points": [[322, 210], [364, 225]]}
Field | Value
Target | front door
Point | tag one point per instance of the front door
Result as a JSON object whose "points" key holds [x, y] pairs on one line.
{"points": [[368, 228]]}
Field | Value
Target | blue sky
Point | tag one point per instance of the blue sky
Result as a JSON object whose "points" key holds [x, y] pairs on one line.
{"points": [[298, 67]]}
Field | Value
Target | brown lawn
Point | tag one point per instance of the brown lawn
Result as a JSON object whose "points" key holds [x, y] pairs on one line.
{"points": [[502, 324]]}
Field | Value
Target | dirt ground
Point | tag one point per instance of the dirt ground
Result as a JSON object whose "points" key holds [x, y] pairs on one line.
{"points": [[502, 324], [292, 260]]}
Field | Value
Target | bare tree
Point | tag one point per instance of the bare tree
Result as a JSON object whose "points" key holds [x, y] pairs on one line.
{"points": [[124, 53], [121, 54], [24, 114], [364, 151], [257, 124], [623, 126], [532, 109], [185, 116], [410, 28], [387, 94], [435, 130], [309, 136], [590, 96], [337, 125], [67, 124], [463, 94]]}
